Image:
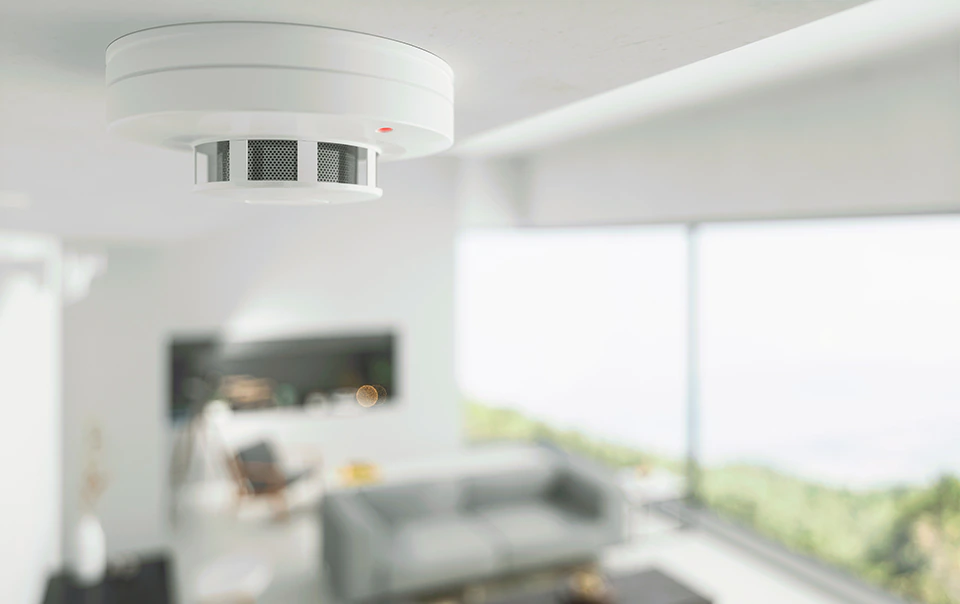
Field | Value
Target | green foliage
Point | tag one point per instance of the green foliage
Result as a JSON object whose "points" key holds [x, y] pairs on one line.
{"points": [[906, 540], [836, 525], [921, 555]]}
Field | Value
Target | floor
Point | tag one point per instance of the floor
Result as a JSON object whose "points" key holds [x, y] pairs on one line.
{"points": [[717, 570], [291, 547]]}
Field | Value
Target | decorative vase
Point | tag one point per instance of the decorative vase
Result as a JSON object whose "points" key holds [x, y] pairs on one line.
{"points": [[90, 559]]}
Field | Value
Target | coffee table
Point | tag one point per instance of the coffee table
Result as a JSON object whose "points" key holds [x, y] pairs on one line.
{"points": [[650, 586]]}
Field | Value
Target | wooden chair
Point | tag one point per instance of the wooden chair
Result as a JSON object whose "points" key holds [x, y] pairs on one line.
{"points": [[259, 475]]}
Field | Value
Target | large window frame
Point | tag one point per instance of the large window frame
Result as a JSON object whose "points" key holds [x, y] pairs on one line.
{"points": [[691, 509]]}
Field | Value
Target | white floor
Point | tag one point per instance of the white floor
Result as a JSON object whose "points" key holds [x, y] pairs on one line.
{"points": [[291, 547]]}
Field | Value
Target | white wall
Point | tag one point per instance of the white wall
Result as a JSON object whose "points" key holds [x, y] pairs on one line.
{"points": [[380, 265], [385, 264], [878, 137], [492, 192], [113, 363], [30, 430]]}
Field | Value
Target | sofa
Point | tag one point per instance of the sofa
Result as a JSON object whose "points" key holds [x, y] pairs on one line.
{"points": [[545, 508]]}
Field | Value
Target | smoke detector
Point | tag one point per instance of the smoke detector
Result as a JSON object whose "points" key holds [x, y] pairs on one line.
{"points": [[278, 112]]}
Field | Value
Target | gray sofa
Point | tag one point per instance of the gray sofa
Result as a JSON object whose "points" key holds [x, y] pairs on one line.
{"points": [[544, 509]]}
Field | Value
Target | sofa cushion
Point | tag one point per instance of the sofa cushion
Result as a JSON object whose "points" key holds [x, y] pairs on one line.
{"points": [[398, 504], [535, 534], [532, 483], [442, 551]]}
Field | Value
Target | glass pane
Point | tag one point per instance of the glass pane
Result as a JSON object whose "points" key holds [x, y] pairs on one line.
{"points": [[831, 392], [576, 336]]}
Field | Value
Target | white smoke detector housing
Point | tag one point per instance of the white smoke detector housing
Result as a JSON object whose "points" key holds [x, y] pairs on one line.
{"points": [[278, 112]]}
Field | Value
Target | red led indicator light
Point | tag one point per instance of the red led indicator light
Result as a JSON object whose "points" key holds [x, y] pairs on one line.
{"points": [[385, 129]]}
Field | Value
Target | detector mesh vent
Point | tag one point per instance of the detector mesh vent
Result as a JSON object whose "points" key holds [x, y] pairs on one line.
{"points": [[287, 169], [222, 165], [337, 163], [271, 160]]}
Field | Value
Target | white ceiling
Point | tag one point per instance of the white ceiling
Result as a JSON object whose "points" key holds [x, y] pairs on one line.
{"points": [[512, 58], [838, 45], [878, 138]]}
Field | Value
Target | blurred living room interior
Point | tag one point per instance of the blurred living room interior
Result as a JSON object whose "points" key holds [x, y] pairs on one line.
{"points": [[674, 320]]}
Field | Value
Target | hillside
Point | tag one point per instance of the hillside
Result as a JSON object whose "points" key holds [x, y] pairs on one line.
{"points": [[485, 423]]}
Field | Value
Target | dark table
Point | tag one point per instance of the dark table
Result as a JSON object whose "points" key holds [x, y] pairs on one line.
{"points": [[646, 587], [149, 582]]}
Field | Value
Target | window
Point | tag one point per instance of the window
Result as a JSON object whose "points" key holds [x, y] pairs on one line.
{"points": [[576, 336], [829, 373], [831, 392]]}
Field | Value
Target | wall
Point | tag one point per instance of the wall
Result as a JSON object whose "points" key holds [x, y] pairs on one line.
{"points": [[492, 192], [878, 137], [380, 265], [30, 430], [384, 264], [113, 363]]}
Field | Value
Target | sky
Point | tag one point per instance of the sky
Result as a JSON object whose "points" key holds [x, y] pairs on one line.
{"points": [[830, 349]]}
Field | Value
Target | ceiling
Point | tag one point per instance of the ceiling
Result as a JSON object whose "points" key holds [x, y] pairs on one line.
{"points": [[813, 52], [512, 59], [880, 138]]}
